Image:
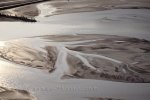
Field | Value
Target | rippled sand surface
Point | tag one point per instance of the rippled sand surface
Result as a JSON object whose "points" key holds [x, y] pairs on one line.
{"points": [[57, 7], [78, 50], [87, 56], [79, 67]]}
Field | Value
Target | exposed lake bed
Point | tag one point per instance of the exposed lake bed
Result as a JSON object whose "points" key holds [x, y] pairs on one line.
{"points": [[68, 60], [78, 53], [86, 56]]}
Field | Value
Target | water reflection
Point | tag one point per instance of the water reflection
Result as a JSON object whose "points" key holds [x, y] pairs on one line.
{"points": [[112, 22], [2, 44], [45, 10]]}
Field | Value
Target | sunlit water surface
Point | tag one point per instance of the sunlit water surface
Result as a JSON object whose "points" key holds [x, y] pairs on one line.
{"points": [[131, 23]]}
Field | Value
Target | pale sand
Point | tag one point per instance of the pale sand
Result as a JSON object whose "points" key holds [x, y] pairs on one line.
{"points": [[131, 51], [15, 94], [100, 57], [74, 6], [28, 10]]}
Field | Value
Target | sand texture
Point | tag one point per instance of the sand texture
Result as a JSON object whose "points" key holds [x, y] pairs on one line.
{"points": [[100, 57]]}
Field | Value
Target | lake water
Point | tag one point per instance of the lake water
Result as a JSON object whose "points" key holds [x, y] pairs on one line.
{"points": [[127, 22]]}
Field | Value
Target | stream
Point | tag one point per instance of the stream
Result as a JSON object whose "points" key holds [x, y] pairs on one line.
{"points": [[122, 22]]}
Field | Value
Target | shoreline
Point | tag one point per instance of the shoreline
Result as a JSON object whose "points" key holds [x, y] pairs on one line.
{"points": [[57, 59], [82, 57], [65, 7], [43, 86], [15, 5]]}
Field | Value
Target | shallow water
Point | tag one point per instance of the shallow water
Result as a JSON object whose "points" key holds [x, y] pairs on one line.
{"points": [[125, 22], [43, 87], [45, 10]]}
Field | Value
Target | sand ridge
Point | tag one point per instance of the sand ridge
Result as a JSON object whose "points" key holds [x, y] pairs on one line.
{"points": [[15, 94], [100, 57]]}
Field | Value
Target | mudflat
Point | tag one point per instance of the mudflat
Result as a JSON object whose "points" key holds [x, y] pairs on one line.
{"points": [[15, 94], [88, 56], [74, 6], [75, 64]]}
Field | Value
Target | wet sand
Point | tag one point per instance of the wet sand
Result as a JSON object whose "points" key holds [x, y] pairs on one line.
{"points": [[122, 22], [14, 94], [31, 9], [77, 66], [76, 6], [72, 6], [101, 57], [43, 85]]}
